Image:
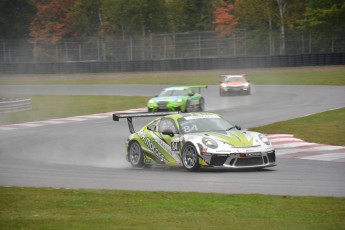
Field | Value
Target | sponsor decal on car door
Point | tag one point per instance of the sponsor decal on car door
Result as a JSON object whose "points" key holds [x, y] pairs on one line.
{"points": [[169, 145]]}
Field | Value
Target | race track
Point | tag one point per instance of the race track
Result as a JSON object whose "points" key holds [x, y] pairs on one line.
{"points": [[90, 153]]}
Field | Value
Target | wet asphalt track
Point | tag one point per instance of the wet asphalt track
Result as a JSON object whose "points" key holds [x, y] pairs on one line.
{"points": [[90, 154]]}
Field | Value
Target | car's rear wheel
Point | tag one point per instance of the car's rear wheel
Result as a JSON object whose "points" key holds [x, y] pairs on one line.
{"points": [[201, 104], [190, 159], [135, 155], [188, 108]]}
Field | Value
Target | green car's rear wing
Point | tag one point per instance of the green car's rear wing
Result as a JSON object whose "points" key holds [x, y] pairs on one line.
{"points": [[197, 87], [129, 116]]}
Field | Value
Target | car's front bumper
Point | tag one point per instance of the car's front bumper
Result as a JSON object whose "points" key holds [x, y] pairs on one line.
{"points": [[166, 106], [240, 160], [235, 89]]}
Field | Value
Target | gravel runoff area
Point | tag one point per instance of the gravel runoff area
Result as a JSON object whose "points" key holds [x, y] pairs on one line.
{"points": [[159, 74]]}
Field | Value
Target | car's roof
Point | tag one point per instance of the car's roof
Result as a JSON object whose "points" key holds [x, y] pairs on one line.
{"points": [[233, 75], [185, 87], [176, 88], [194, 115]]}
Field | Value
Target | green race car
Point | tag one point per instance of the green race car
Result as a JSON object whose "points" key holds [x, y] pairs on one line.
{"points": [[194, 141], [178, 98]]}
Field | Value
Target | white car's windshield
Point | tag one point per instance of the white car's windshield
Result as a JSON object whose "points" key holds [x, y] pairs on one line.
{"points": [[168, 93], [209, 124], [234, 79]]}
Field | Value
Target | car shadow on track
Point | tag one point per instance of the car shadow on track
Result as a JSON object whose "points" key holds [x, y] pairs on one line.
{"points": [[204, 170]]}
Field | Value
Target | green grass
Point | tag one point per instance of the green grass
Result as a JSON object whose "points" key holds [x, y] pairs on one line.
{"points": [[259, 77], [47, 208], [299, 78], [326, 128], [61, 106]]}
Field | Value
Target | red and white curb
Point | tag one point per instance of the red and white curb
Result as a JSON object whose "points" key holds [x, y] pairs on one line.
{"points": [[67, 120], [287, 146]]}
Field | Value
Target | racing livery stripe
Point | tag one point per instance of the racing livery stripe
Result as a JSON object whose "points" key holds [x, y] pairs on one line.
{"points": [[289, 147], [166, 147]]}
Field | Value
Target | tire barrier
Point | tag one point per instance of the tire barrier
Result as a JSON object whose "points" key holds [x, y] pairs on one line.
{"points": [[8, 105]]}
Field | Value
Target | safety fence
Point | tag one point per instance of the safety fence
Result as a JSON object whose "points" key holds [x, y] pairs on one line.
{"points": [[176, 64], [189, 45]]}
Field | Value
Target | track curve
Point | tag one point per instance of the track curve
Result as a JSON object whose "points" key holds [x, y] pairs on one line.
{"points": [[90, 154]]}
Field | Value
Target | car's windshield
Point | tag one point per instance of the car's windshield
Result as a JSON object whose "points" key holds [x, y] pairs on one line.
{"points": [[207, 123], [173, 92], [234, 79]]}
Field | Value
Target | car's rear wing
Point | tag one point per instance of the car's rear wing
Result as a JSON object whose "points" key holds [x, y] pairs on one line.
{"points": [[197, 87], [129, 116]]}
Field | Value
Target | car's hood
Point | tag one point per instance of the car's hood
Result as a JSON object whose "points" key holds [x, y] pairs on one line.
{"points": [[235, 83], [235, 138], [170, 98]]}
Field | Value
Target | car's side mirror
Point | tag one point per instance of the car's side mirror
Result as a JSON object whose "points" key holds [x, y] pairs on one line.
{"points": [[168, 132], [190, 94], [238, 127]]}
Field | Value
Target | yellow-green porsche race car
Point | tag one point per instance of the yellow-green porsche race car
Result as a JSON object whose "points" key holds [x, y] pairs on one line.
{"points": [[194, 141], [178, 98]]}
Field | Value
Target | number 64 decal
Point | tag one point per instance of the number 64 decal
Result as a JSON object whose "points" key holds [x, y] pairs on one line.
{"points": [[174, 146]]}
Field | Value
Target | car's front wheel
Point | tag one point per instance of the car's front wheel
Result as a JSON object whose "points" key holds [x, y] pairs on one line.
{"points": [[221, 93], [135, 155], [190, 159]]}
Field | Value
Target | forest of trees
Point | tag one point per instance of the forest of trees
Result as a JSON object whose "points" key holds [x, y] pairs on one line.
{"points": [[65, 30], [53, 20]]}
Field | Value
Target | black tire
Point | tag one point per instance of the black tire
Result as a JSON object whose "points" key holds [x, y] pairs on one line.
{"points": [[201, 104], [187, 107], [135, 155], [221, 93], [190, 159]]}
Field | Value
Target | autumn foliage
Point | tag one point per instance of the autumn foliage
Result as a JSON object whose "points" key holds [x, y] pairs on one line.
{"points": [[52, 21], [225, 19]]}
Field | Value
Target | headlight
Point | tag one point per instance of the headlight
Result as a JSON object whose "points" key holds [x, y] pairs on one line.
{"points": [[223, 85], [210, 143], [246, 84], [264, 139], [179, 100], [151, 101]]}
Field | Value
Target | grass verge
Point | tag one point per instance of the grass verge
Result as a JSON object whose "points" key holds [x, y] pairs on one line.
{"points": [[293, 76], [47, 208], [60, 106], [326, 127]]}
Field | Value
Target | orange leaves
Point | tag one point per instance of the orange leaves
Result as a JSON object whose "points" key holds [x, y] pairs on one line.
{"points": [[52, 20], [225, 20]]}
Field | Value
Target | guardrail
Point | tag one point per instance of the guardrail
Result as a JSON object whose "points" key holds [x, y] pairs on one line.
{"points": [[8, 105]]}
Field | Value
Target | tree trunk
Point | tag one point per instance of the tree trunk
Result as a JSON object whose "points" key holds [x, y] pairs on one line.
{"points": [[282, 6]]}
